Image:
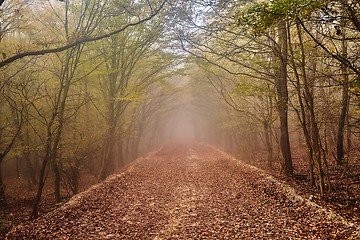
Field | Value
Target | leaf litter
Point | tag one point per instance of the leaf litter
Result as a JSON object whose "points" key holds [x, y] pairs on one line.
{"points": [[188, 192]]}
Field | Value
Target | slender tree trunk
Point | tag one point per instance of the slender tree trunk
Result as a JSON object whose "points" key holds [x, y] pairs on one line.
{"points": [[282, 93], [269, 136], [120, 158], [304, 104], [25, 145], [60, 119], [57, 181], [128, 145], [269, 148], [51, 147], [3, 154], [53, 139], [108, 158], [111, 116], [344, 104], [135, 145], [314, 138], [3, 203], [46, 159], [30, 172], [348, 137], [154, 137], [139, 134], [75, 177]]}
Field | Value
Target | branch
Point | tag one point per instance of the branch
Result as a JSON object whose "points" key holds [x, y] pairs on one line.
{"points": [[10, 145], [341, 59], [221, 67], [80, 41], [352, 14]]}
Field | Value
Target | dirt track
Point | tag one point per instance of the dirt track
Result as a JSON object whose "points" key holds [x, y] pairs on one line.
{"points": [[188, 192]]}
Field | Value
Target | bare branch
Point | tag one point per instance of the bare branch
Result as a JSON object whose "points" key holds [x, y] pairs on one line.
{"points": [[80, 41], [338, 57]]}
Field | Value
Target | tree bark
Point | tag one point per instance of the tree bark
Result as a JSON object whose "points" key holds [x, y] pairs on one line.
{"points": [[108, 156], [25, 148], [282, 93], [46, 159], [57, 180], [268, 143], [340, 156], [3, 203]]}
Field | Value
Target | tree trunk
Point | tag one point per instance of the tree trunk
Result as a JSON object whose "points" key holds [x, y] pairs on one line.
{"points": [[35, 209], [120, 157], [107, 160], [138, 136], [57, 181], [3, 155], [282, 93], [3, 203], [344, 104], [58, 134], [313, 132], [54, 138], [74, 178], [111, 116], [24, 141], [268, 143]]}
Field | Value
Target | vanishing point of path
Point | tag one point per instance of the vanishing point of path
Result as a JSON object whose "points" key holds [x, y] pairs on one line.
{"points": [[188, 192]]}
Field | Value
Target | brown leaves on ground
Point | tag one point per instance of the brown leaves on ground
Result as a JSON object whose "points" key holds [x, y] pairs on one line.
{"points": [[188, 192]]}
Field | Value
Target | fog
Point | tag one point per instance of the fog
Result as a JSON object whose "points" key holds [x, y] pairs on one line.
{"points": [[181, 126]]}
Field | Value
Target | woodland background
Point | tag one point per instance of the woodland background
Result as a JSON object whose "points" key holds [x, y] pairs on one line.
{"points": [[88, 86]]}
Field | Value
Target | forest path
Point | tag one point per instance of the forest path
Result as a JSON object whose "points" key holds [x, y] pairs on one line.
{"points": [[188, 192]]}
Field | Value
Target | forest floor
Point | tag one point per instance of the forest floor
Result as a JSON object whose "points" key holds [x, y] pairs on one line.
{"points": [[189, 192], [344, 197], [20, 197]]}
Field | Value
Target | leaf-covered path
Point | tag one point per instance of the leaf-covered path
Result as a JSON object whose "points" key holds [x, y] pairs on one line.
{"points": [[188, 192]]}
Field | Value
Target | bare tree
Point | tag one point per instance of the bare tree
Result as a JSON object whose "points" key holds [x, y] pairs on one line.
{"points": [[84, 39]]}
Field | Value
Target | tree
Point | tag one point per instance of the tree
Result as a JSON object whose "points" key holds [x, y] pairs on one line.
{"points": [[128, 56], [67, 74], [305, 79], [232, 50], [83, 39], [283, 98], [9, 143], [10, 105], [342, 31]]}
